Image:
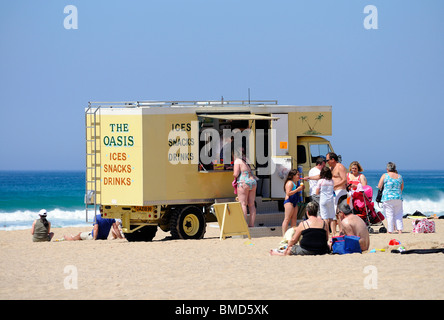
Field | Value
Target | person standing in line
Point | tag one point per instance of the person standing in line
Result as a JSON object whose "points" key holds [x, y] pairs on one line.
{"points": [[291, 200], [41, 228], [339, 176], [393, 185], [326, 201], [315, 172], [246, 184], [355, 176]]}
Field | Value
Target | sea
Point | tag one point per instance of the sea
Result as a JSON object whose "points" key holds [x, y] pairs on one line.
{"points": [[61, 193], [24, 193]]}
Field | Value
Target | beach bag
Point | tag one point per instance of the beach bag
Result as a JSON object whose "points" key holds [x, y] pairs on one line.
{"points": [[345, 245], [423, 226], [379, 195], [234, 184]]}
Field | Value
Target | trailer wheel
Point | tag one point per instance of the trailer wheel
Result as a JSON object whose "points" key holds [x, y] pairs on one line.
{"points": [[146, 233], [188, 223]]}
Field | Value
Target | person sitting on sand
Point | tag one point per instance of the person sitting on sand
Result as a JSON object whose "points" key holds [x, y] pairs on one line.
{"points": [[353, 225], [100, 231], [41, 228], [314, 232]]}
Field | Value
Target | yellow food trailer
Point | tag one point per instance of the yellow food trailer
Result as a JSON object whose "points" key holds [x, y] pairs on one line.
{"points": [[162, 163]]}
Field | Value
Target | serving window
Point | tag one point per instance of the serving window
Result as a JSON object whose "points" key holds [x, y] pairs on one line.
{"points": [[220, 134]]}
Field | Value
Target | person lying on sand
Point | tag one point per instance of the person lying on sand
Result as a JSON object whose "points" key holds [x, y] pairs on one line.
{"points": [[100, 231]]}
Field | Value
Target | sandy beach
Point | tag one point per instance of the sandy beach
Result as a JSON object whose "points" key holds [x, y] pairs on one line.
{"points": [[234, 268]]}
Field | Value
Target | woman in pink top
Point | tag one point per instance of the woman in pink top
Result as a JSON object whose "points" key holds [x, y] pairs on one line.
{"points": [[355, 177]]}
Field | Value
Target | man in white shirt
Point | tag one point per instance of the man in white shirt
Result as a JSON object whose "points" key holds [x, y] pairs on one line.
{"points": [[315, 172]]}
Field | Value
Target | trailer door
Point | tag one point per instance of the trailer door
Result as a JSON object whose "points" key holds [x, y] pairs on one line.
{"points": [[281, 161]]}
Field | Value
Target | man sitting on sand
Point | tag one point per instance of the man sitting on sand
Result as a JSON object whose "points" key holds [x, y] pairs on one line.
{"points": [[353, 225], [100, 230]]}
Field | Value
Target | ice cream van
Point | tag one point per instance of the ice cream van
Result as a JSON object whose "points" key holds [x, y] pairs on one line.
{"points": [[163, 164]]}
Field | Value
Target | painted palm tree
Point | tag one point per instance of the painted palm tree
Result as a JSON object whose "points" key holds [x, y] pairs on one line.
{"points": [[311, 130], [304, 118], [318, 118]]}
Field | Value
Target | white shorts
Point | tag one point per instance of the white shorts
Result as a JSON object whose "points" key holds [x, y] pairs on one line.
{"points": [[339, 193], [86, 236], [327, 209]]}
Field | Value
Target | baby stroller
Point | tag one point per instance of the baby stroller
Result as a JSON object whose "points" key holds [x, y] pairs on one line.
{"points": [[365, 208]]}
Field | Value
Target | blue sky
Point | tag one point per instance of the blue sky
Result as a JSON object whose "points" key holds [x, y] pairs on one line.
{"points": [[386, 85]]}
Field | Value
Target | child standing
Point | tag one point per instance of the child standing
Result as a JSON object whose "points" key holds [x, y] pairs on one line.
{"points": [[326, 202], [292, 187]]}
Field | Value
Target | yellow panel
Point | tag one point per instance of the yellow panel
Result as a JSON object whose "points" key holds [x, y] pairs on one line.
{"points": [[310, 123], [306, 124], [231, 219], [121, 159], [171, 165]]}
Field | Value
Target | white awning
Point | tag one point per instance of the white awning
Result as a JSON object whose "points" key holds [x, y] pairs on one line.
{"points": [[237, 116]]}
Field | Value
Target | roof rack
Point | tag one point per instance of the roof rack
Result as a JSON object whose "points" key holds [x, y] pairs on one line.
{"points": [[139, 104]]}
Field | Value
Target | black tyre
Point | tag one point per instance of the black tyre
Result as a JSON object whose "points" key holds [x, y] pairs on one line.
{"points": [[146, 233], [187, 223]]}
